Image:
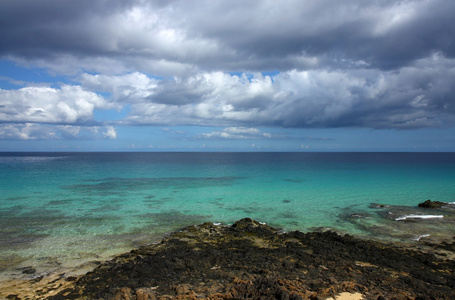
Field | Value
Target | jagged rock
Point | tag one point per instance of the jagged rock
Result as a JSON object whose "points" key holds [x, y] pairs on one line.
{"points": [[145, 294], [253, 226], [253, 260], [432, 204]]}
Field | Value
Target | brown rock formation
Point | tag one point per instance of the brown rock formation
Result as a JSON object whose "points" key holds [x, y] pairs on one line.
{"points": [[432, 204]]}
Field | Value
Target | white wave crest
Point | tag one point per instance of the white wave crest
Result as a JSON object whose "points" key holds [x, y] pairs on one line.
{"points": [[418, 238], [406, 217]]}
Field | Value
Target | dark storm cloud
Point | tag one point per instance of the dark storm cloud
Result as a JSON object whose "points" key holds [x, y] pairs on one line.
{"points": [[431, 30], [384, 34], [248, 35], [49, 28]]}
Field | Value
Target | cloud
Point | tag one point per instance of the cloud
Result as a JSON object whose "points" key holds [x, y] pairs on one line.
{"points": [[128, 88], [25, 132], [31, 131], [65, 105], [45, 113], [237, 133], [179, 37], [416, 96], [110, 133], [292, 64]]}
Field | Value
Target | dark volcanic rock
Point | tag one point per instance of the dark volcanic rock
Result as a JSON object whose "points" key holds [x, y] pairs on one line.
{"points": [[28, 270], [251, 260], [432, 204]]}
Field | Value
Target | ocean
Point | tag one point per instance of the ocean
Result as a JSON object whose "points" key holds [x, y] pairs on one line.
{"points": [[60, 212]]}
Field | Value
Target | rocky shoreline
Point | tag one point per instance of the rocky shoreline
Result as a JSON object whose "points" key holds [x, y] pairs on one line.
{"points": [[251, 260]]}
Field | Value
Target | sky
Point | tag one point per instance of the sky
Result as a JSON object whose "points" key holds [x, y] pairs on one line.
{"points": [[223, 75]]}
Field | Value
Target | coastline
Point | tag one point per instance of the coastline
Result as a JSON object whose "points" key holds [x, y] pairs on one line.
{"points": [[250, 259], [60, 212]]}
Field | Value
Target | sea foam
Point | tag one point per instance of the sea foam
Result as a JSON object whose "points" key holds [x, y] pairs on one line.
{"points": [[418, 238], [406, 217]]}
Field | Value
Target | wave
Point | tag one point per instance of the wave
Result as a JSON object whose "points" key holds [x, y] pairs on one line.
{"points": [[28, 159], [418, 238], [406, 217]]}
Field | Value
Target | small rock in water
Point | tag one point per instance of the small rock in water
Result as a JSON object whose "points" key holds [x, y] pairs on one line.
{"points": [[359, 216], [28, 270], [432, 204], [377, 205]]}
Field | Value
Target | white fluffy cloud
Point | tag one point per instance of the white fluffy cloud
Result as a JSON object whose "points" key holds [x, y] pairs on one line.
{"points": [[129, 88], [110, 133], [26, 131], [412, 97], [66, 105], [415, 96], [237, 133], [43, 113], [32, 131]]}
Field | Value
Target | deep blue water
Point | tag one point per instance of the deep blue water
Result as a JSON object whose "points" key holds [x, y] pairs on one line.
{"points": [[64, 208]]}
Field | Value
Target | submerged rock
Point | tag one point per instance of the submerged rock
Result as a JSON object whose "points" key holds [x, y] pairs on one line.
{"points": [[251, 260], [432, 204], [27, 270], [378, 205]]}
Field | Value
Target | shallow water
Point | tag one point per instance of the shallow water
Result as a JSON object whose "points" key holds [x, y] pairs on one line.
{"points": [[58, 210]]}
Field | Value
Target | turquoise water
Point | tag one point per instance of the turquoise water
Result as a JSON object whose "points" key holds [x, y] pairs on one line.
{"points": [[59, 210]]}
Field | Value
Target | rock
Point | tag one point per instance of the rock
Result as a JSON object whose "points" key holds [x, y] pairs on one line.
{"points": [[432, 204], [359, 216], [253, 260], [253, 226], [145, 294], [123, 294], [28, 270], [378, 205], [71, 278]]}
